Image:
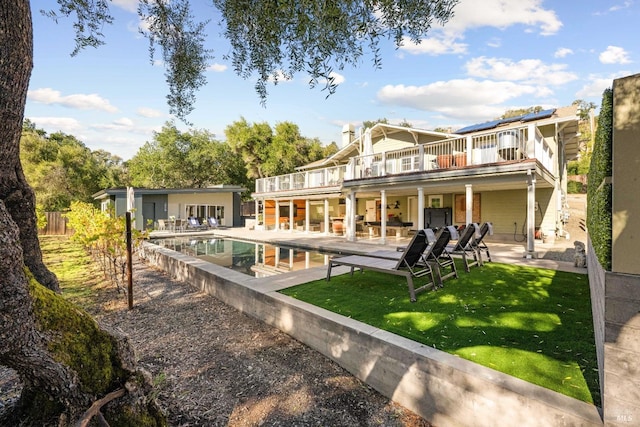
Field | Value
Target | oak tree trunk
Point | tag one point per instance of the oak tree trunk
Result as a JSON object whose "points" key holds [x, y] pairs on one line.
{"points": [[25, 343]]}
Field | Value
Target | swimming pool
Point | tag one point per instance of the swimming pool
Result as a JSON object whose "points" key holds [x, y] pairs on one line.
{"points": [[253, 258]]}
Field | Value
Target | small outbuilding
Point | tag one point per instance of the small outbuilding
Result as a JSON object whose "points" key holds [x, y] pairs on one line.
{"points": [[153, 204]]}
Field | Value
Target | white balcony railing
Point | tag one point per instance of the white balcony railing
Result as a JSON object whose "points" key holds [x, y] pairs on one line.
{"points": [[492, 147]]}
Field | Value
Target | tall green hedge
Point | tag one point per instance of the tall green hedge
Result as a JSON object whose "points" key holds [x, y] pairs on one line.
{"points": [[599, 206]]}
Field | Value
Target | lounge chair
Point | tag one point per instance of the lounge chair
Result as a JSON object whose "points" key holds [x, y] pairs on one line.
{"points": [[478, 242], [409, 264], [435, 253], [212, 222], [194, 224], [440, 256], [463, 246]]}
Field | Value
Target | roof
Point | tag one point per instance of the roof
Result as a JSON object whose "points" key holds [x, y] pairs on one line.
{"points": [[523, 118], [102, 194]]}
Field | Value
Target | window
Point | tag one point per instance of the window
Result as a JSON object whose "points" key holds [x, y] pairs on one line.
{"points": [[409, 164], [205, 211], [434, 201]]}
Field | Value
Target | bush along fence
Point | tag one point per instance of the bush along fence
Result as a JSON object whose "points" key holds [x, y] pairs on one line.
{"points": [[103, 235], [599, 202]]}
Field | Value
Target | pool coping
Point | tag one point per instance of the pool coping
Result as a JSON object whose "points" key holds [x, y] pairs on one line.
{"points": [[440, 387]]}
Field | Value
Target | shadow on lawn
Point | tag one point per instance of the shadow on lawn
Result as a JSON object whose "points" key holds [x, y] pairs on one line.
{"points": [[534, 324]]}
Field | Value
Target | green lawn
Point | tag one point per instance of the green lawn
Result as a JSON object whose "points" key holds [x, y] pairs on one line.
{"points": [[531, 323]]}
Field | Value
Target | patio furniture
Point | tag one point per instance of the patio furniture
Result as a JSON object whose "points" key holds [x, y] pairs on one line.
{"points": [[194, 223], [212, 222], [410, 265], [435, 254], [161, 225], [478, 242], [463, 246]]}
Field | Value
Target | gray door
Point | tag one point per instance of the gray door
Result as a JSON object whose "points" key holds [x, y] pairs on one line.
{"points": [[149, 214]]}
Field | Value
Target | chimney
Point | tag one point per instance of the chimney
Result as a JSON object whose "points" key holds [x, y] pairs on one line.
{"points": [[348, 134]]}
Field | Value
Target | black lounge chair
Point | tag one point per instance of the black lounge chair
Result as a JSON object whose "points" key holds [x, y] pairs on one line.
{"points": [[410, 265], [478, 242], [435, 254], [439, 255], [463, 246], [212, 222]]}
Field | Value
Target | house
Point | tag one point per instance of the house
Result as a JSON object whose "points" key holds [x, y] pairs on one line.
{"points": [[390, 180], [220, 201]]}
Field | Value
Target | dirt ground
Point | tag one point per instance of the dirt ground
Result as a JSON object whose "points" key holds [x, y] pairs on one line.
{"points": [[215, 366]]}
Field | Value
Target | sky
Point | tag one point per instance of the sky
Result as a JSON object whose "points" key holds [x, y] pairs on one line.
{"points": [[493, 56]]}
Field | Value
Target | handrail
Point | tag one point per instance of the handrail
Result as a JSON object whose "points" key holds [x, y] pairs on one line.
{"points": [[505, 145]]}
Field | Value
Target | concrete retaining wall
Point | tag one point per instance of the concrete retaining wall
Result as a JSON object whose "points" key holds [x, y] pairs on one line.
{"points": [[444, 389]]}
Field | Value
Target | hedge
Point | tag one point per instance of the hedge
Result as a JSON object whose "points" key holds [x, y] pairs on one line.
{"points": [[599, 191]]}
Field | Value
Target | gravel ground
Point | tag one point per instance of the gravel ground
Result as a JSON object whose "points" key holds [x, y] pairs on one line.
{"points": [[215, 366]]}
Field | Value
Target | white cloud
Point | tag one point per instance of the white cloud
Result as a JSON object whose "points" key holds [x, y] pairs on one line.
{"points": [[54, 124], [614, 55], [218, 68], [437, 45], [77, 101], [470, 14], [624, 5], [463, 99], [596, 84], [562, 52], [527, 70], [148, 112], [337, 78]]}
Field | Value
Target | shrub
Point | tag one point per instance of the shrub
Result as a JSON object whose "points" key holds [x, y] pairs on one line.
{"points": [[576, 187], [599, 190]]}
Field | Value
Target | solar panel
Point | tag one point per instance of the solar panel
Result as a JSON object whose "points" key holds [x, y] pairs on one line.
{"points": [[544, 114], [478, 127]]}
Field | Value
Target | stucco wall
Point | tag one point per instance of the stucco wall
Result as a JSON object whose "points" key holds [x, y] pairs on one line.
{"points": [[626, 175]]}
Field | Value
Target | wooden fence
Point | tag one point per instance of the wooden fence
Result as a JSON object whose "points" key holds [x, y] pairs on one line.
{"points": [[56, 225]]}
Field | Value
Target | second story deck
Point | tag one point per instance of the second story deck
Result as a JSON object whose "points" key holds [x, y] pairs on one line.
{"points": [[490, 148]]}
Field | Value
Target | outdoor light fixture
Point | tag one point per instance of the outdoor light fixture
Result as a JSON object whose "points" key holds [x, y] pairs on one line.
{"points": [[397, 206]]}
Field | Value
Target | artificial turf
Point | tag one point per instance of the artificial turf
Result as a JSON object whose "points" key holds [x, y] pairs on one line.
{"points": [[531, 323]]}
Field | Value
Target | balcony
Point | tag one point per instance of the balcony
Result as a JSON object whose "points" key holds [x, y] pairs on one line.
{"points": [[479, 149]]}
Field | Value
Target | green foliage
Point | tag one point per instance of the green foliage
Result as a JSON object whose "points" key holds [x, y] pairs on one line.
{"points": [[61, 169], [520, 111], [531, 323], [266, 153], [575, 187], [368, 124], [103, 235], [172, 27], [269, 39], [176, 159], [599, 193]]}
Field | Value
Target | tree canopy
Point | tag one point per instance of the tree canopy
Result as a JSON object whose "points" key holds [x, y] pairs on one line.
{"points": [[61, 169], [176, 159], [268, 39], [266, 153]]}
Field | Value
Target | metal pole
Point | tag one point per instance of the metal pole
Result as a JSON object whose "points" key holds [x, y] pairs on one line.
{"points": [[129, 261]]}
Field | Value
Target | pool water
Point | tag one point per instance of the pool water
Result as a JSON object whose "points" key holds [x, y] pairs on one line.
{"points": [[253, 258]]}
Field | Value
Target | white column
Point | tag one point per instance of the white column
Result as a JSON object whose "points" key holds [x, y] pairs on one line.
{"points": [[277, 221], [257, 213], [291, 217], [326, 216], [307, 213], [383, 217], [531, 214], [469, 203], [420, 208], [351, 217]]}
